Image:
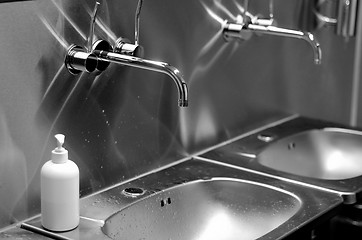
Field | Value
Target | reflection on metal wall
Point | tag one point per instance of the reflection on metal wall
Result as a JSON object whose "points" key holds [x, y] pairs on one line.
{"points": [[125, 122]]}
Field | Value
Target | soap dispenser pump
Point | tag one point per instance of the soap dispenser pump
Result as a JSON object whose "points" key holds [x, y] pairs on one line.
{"points": [[59, 190]]}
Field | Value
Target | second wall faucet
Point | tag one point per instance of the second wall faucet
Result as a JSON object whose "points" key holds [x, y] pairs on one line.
{"points": [[246, 24], [100, 54]]}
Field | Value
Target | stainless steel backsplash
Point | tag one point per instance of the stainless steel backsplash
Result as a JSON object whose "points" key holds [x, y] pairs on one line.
{"points": [[126, 122]]}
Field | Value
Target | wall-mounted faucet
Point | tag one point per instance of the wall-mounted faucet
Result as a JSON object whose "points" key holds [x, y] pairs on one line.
{"points": [[124, 53], [247, 24]]}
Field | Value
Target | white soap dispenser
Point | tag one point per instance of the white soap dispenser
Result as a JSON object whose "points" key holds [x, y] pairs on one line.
{"points": [[59, 190]]}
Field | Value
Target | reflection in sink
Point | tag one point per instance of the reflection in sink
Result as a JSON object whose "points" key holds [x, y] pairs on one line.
{"points": [[330, 153], [221, 208]]}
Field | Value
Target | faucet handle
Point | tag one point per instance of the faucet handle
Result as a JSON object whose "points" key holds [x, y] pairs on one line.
{"points": [[137, 22], [124, 46], [245, 11], [92, 25], [79, 59], [99, 45], [265, 21]]}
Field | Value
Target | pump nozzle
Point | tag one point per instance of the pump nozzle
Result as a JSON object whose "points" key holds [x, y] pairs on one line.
{"points": [[60, 141], [59, 154]]}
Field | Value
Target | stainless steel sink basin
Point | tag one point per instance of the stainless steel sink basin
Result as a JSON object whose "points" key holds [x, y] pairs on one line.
{"points": [[330, 153], [205, 210], [311, 152], [200, 199]]}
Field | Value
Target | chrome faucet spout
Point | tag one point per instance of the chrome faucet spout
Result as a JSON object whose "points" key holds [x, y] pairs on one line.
{"points": [[151, 65], [277, 31], [243, 31]]}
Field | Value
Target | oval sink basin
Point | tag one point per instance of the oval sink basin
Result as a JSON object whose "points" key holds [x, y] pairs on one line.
{"points": [[330, 153], [219, 209]]}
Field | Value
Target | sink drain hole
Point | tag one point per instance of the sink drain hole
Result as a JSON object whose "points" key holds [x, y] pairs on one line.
{"points": [[133, 192], [265, 137]]}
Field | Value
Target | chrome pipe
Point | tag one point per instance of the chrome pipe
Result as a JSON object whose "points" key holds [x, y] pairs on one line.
{"points": [[277, 31], [151, 65]]}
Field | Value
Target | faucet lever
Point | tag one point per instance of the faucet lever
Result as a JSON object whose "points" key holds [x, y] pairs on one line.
{"points": [[124, 46], [92, 25], [79, 59], [267, 21], [246, 6], [137, 22]]}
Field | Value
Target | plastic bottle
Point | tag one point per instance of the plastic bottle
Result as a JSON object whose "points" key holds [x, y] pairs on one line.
{"points": [[59, 190]]}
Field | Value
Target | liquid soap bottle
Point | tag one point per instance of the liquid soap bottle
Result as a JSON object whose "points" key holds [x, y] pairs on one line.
{"points": [[59, 190]]}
